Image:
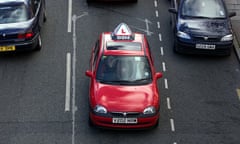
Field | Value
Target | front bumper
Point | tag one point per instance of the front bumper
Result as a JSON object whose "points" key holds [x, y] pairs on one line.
{"points": [[106, 122], [189, 47]]}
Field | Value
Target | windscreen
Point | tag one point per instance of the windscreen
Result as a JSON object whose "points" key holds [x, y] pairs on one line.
{"points": [[203, 8], [124, 70]]}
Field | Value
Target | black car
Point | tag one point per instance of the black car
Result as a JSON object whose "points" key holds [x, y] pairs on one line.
{"points": [[20, 24], [202, 27]]}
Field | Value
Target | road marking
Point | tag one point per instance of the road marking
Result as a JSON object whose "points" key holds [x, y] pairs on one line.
{"points": [[146, 31], [74, 108], [168, 103], [172, 125], [69, 16], [68, 82], [238, 93], [175, 143], [74, 61], [164, 66], [147, 27], [160, 37], [162, 52], [155, 3], [156, 13], [166, 83], [158, 25]]}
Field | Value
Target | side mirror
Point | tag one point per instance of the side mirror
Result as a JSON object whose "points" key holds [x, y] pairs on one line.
{"points": [[232, 14], [158, 75], [89, 73], [173, 10]]}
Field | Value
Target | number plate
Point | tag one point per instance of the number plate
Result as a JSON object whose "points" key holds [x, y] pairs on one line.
{"points": [[205, 46], [7, 48], [124, 120]]}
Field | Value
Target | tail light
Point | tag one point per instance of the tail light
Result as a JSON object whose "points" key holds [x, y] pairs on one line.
{"points": [[27, 35]]}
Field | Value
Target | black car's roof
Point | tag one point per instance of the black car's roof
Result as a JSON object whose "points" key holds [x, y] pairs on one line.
{"points": [[13, 1]]}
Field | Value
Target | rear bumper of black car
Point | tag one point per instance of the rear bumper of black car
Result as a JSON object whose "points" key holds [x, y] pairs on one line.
{"points": [[26, 45]]}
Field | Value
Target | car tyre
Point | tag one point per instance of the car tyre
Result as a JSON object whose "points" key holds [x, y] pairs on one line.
{"points": [[45, 17], [39, 44], [90, 123], [175, 47]]}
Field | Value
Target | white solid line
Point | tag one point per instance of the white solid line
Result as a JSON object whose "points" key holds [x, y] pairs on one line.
{"points": [[162, 53], [69, 29], [156, 13], [74, 107], [164, 66], [160, 37], [158, 25], [68, 82], [172, 125], [155, 3], [168, 103], [166, 83]]}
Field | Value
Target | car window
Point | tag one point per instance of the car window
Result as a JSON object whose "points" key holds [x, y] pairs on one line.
{"points": [[124, 70], [131, 46], [13, 13], [95, 54], [203, 8]]}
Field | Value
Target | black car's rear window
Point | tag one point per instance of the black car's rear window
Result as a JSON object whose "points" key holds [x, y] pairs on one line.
{"points": [[131, 46], [203, 8], [13, 13]]}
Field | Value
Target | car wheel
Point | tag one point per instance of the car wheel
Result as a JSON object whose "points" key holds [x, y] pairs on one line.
{"points": [[157, 124], [45, 17], [39, 44], [90, 123], [175, 48]]}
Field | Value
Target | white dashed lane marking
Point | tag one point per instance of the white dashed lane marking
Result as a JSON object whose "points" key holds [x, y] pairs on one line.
{"points": [[172, 125], [168, 103], [166, 83], [158, 25], [162, 52], [156, 13]]}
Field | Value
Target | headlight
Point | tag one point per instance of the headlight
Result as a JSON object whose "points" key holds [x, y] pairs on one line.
{"points": [[100, 109], [227, 38], [183, 35], [149, 110]]}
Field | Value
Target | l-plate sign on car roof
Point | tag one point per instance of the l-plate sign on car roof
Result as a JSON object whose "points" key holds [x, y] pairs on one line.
{"points": [[122, 32]]}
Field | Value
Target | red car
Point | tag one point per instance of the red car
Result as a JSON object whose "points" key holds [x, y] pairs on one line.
{"points": [[88, 1], [123, 90]]}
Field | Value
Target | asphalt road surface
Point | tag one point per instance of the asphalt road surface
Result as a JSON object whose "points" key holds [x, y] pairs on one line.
{"points": [[44, 95]]}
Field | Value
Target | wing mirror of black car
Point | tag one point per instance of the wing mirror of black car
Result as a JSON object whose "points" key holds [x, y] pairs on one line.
{"points": [[232, 14], [89, 73], [158, 75], [173, 10]]}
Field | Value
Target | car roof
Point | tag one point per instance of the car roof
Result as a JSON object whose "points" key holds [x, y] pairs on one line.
{"points": [[108, 37], [13, 1]]}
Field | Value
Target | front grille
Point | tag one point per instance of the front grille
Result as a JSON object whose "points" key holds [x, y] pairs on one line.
{"points": [[125, 114], [206, 39]]}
